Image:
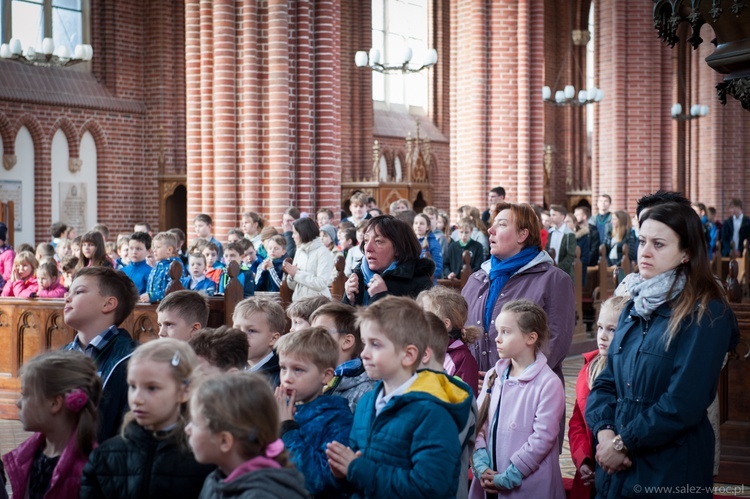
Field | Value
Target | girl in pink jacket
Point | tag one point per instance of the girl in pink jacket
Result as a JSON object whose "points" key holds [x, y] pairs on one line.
{"points": [[60, 391], [521, 404], [48, 279], [22, 282]]}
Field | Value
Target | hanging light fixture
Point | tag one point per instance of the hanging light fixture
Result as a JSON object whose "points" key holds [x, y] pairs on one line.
{"points": [[363, 59], [50, 56], [568, 95], [696, 111]]}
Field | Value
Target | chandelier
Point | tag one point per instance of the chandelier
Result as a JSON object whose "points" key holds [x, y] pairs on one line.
{"points": [[362, 59], [50, 56], [696, 111], [568, 95]]}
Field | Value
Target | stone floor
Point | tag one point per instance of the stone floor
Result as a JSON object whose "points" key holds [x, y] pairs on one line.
{"points": [[12, 434]]}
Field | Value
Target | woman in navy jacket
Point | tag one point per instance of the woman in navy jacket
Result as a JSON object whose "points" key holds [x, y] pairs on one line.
{"points": [[648, 407]]}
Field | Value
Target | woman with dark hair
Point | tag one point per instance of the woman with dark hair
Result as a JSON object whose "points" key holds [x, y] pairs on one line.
{"points": [[621, 234], [647, 409], [310, 274], [391, 264], [93, 252]]}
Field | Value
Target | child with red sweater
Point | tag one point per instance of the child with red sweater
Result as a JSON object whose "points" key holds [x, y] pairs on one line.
{"points": [[580, 436]]}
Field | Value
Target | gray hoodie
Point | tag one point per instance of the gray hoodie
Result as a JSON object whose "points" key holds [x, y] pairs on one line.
{"points": [[267, 483]]}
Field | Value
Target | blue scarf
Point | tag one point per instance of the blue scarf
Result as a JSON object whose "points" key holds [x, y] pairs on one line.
{"points": [[368, 274], [500, 272]]}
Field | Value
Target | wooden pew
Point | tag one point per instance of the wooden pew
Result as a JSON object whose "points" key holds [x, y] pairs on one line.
{"points": [[337, 286], [466, 271], [734, 406]]}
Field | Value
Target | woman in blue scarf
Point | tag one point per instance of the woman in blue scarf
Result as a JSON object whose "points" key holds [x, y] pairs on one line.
{"points": [[519, 269], [391, 264]]}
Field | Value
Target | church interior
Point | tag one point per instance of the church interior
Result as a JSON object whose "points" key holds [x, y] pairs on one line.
{"points": [[160, 110]]}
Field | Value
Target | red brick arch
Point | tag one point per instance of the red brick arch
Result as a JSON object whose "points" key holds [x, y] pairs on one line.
{"points": [[37, 134], [74, 140], [7, 135]]}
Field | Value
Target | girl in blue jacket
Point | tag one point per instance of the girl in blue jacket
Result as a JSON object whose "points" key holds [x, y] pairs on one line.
{"points": [[647, 409]]}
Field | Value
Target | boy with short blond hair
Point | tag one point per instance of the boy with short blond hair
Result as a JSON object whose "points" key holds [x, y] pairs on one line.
{"points": [[100, 299], [164, 246], [299, 312], [308, 421], [139, 244], [221, 350], [181, 313], [350, 379], [405, 438], [263, 321]]}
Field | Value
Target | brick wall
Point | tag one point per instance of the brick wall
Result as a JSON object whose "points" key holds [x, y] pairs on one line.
{"points": [[132, 108]]}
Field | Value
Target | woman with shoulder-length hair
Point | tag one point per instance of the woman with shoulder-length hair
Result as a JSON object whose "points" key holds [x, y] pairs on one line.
{"points": [[310, 273], [519, 269], [647, 409], [391, 263]]}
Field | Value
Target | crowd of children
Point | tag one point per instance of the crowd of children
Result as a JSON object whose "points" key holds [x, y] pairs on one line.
{"points": [[320, 399]]}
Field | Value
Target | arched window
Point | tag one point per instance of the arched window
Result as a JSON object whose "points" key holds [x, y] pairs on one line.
{"points": [[396, 25], [65, 21]]}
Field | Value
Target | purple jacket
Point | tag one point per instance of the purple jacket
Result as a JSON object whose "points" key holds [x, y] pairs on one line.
{"points": [[527, 426], [66, 479], [459, 362], [539, 281]]}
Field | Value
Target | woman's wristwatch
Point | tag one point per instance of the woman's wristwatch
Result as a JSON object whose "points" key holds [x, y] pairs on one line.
{"points": [[619, 445]]}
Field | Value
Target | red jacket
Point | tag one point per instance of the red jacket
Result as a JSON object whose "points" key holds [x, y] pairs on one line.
{"points": [[66, 479], [579, 435]]}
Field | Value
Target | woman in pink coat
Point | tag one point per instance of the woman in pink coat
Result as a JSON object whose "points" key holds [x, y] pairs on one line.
{"points": [[521, 405]]}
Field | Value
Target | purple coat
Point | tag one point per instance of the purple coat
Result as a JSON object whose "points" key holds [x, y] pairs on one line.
{"points": [[539, 281], [527, 426], [66, 479]]}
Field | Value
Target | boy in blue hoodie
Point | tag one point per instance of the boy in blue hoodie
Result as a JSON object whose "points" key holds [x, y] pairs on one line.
{"points": [[309, 421], [405, 439]]}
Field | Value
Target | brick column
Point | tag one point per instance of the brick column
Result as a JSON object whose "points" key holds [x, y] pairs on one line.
{"points": [[327, 168], [282, 185], [207, 108], [251, 179], [194, 121], [225, 122]]}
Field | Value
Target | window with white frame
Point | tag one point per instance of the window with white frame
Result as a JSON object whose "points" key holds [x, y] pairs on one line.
{"points": [[65, 21], [396, 25]]}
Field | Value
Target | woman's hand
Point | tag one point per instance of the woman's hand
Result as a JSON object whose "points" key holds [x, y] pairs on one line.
{"points": [[452, 275], [290, 269], [351, 288], [609, 459], [377, 285]]}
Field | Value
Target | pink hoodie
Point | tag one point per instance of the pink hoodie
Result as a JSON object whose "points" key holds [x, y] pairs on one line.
{"points": [[20, 288], [56, 290]]}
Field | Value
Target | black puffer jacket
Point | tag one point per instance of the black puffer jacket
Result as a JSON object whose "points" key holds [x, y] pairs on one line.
{"points": [[142, 465], [409, 278]]}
